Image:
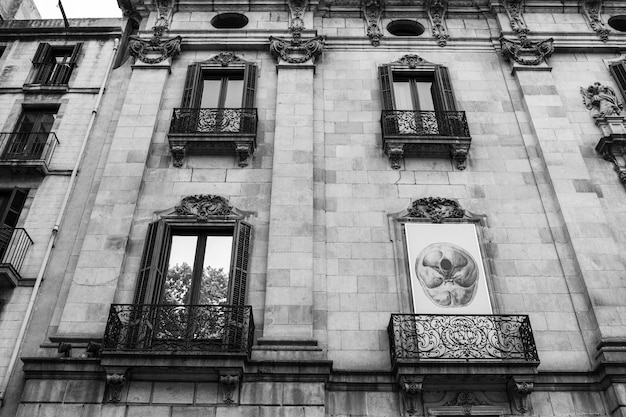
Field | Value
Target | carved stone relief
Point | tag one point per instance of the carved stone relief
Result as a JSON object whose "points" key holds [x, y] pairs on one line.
{"points": [[466, 400], [372, 10], [527, 52], [514, 9], [436, 209], [156, 49], [115, 383], [519, 391], [593, 12], [296, 52], [412, 61], [229, 384], [243, 151], [601, 100], [296, 11], [203, 206], [437, 14], [412, 392], [225, 59]]}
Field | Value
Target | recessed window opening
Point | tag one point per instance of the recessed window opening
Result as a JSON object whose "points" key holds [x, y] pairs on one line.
{"points": [[405, 28], [229, 21], [618, 23]]}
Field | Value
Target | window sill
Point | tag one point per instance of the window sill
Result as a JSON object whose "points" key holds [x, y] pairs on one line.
{"points": [[43, 88]]}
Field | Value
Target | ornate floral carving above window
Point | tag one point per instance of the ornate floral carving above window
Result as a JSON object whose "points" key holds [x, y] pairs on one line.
{"points": [[372, 10], [437, 13], [436, 209], [202, 206], [527, 52], [467, 400], [593, 12]]}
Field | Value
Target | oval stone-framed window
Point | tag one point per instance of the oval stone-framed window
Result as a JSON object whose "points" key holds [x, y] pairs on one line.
{"points": [[229, 21], [405, 27]]}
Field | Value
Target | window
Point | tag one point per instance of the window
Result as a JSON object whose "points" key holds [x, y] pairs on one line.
{"points": [[618, 70], [30, 137], [11, 204], [420, 116], [53, 65]]}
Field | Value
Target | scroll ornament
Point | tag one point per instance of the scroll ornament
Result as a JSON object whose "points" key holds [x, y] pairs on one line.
{"points": [[527, 52]]}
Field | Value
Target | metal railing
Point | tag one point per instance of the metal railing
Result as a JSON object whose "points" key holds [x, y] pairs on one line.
{"points": [[165, 327], [424, 123], [28, 146], [469, 337], [214, 121], [14, 243]]}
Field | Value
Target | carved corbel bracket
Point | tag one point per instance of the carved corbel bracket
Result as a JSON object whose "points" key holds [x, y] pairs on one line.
{"points": [[519, 390], [527, 52], [296, 11], [437, 10], [179, 152], [229, 384], [459, 154], [612, 145], [296, 52], [372, 10], [412, 395], [593, 12], [115, 383], [155, 50], [244, 151], [396, 155], [514, 9]]}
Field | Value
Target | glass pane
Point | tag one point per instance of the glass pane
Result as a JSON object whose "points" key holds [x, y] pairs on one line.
{"points": [[216, 270], [177, 287], [211, 93], [402, 94], [425, 96], [234, 94]]}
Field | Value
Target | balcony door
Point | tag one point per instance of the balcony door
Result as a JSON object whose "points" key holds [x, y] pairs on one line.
{"points": [[414, 95], [11, 204], [30, 136], [220, 102]]}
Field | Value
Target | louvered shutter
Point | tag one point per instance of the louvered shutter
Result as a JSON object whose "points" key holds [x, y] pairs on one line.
{"points": [[43, 53], [239, 269], [14, 207], [64, 71], [153, 266], [444, 95], [386, 87], [193, 88], [250, 76], [618, 70], [42, 64]]}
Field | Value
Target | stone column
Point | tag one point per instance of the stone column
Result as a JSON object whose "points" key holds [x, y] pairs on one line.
{"points": [[591, 257], [101, 258]]}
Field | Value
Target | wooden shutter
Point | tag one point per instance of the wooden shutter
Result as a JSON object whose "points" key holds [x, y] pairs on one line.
{"points": [[618, 70], [249, 77], [75, 53], [44, 53], [193, 87], [11, 212], [153, 266], [239, 269], [63, 71], [444, 96], [386, 87]]}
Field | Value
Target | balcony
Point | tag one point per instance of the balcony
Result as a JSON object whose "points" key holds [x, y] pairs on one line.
{"points": [[14, 243], [27, 152], [468, 346], [408, 133], [195, 131]]}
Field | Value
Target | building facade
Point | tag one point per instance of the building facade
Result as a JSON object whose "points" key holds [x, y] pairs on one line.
{"points": [[317, 208]]}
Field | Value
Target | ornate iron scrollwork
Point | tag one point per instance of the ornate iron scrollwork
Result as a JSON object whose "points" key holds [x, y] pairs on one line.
{"points": [[593, 13], [447, 337], [527, 52], [437, 13], [204, 206], [436, 209], [372, 10]]}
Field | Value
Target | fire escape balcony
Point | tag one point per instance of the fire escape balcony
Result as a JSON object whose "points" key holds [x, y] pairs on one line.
{"points": [[195, 131], [27, 152], [14, 244], [409, 133], [462, 346]]}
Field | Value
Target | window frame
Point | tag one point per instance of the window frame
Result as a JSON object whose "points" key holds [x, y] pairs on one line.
{"points": [[157, 249], [618, 71], [34, 135], [47, 72]]}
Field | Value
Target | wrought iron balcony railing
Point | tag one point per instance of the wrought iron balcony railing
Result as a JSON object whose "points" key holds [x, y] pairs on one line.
{"points": [[28, 146], [424, 123], [214, 121], [164, 327], [14, 243], [422, 337]]}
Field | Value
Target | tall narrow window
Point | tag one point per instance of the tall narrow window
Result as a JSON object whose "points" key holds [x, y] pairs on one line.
{"points": [[53, 65], [30, 136], [11, 205], [618, 70]]}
